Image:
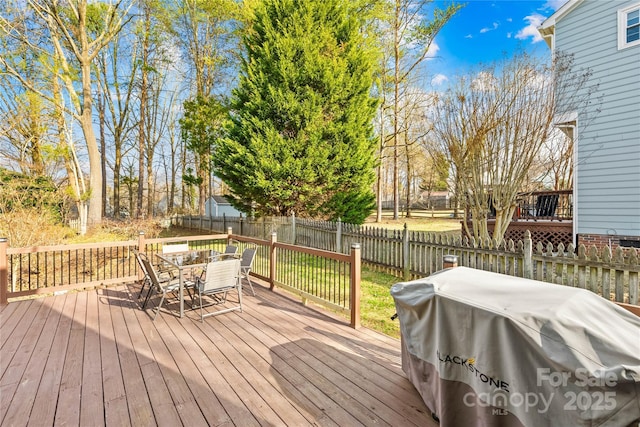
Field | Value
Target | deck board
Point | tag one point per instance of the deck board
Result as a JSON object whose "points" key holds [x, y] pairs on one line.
{"points": [[70, 391], [46, 397], [92, 399], [95, 358]]}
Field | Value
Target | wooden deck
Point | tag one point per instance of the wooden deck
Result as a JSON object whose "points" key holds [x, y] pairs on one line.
{"points": [[94, 358]]}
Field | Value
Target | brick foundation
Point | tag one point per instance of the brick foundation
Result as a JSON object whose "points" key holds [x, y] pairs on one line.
{"points": [[602, 240]]}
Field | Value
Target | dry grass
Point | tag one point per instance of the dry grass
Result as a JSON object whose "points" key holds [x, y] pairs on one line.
{"points": [[128, 229], [437, 221]]}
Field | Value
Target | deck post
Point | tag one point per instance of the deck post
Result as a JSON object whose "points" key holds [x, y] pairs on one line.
{"points": [[141, 244], [293, 228], [406, 256], [339, 236], [141, 249], [354, 293], [4, 275], [449, 261], [272, 260], [528, 256]]}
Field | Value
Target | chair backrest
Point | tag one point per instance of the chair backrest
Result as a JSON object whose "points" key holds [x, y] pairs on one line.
{"points": [[139, 256], [546, 204], [221, 274], [151, 272], [173, 248], [231, 249], [247, 258]]}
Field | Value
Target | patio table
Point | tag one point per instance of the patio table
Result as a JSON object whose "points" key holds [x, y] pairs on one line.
{"points": [[186, 262]]}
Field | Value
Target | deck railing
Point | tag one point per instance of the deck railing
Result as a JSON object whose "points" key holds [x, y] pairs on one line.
{"points": [[413, 254], [327, 278], [554, 205]]}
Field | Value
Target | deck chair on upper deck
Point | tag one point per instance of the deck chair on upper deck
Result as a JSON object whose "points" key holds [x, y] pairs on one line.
{"points": [[220, 278], [546, 205]]}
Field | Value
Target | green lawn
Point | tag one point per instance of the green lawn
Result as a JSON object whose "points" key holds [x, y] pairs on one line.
{"points": [[376, 303]]}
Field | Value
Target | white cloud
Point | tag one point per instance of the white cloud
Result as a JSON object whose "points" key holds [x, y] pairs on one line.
{"points": [[468, 36], [486, 29], [433, 50], [509, 35], [509, 19], [554, 4], [531, 30], [439, 79], [483, 81]]}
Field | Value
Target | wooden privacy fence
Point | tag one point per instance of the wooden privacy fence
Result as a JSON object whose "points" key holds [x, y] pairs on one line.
{"points": [[327, 278], [413, 254]]}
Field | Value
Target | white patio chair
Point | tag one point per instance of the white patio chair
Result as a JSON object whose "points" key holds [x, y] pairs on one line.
{"points": [[175, 247], [169, 249], [220, 278]]}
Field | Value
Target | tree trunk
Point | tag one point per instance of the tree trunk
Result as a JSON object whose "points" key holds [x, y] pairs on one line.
{"points": [[141, 137], [396, 100], [103, 153], [116, 181], [408, 172], [94, 215]]}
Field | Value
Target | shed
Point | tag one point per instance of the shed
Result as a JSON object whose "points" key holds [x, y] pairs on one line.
{"points": [[220, 206]]}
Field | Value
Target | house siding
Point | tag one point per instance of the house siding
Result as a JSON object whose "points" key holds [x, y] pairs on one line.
{"points": [[607, 162], [213, 208]]}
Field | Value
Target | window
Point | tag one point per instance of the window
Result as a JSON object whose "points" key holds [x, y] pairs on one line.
{"points": [[629, 26]]}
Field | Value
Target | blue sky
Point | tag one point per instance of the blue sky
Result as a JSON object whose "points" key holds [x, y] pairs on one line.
{"points": [[484, 30]]}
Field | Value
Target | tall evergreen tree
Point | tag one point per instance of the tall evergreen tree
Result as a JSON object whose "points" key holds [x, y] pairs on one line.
{"points": [[300, 135]]}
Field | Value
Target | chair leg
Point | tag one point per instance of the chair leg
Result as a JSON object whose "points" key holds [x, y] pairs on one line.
{"points": [[159, 306], [201, 313], [146, 300], [144, 281], [250, 284]]}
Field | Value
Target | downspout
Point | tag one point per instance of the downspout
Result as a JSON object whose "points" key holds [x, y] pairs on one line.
{"points": [[574, 136]]}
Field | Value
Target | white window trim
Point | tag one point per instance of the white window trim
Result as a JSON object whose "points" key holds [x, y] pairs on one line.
{"points": [[622, 27]]}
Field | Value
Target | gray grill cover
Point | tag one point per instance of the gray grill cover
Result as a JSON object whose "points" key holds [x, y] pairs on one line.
{"points": [[485, 349]]}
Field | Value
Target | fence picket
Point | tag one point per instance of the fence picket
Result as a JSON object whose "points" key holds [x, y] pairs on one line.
{"points": [[420, 253]]}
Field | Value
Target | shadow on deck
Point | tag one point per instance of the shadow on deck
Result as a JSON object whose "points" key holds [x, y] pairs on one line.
{"points": [[94, 358]]}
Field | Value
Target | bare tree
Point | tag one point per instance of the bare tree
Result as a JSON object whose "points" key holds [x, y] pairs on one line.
{"points": [[557, 157], [414, 128], [36, 75], [413, 35], [75, 48], [205, 31], [116, 78], [494, 123], [25, 118], [161, 121]]}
